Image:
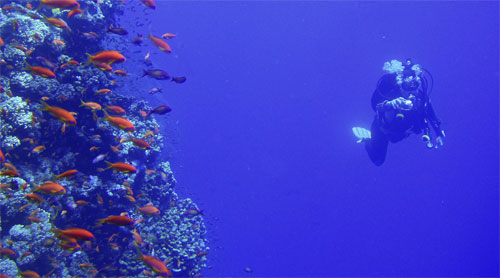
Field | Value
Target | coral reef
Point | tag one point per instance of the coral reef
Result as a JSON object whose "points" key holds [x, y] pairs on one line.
{"points": [[115, 163]]}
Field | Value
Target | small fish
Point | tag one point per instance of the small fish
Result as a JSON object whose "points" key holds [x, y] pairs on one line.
{"points": [[117, 30], [149, 210], [157, 74], [29, 274], [130, 198], [46, 62], [38, 149], [59, 113], [41, 71], [138, 40], [156, 265], [82, 202], [161, 44], [91, 105], [67, 174], [104, 67], [179, 80], [76, 233], [121, 166], [33, 197], [168, 36], [34, 219], [108, 57], [1, 42], [74, 12], [155, 90], [193, 212], [115, 109], [58, 23], [160, 110], [51, 188], [116, 220], [141, 143], [58, 43], [120, 72], [103, 91], [99, 158], [90, 35], [60, 4], [149, 3], [7, 252], [137, 237], [10, 173], [119, 122]]}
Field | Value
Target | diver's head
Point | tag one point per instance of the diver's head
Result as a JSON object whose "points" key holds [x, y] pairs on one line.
{"points": [[410, 76]]}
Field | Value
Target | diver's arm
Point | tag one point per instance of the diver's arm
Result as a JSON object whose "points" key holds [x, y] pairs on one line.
{"points": [[435, 123]]}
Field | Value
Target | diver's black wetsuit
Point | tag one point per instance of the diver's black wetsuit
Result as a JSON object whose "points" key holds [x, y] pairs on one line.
{"points": [[395, 124]]}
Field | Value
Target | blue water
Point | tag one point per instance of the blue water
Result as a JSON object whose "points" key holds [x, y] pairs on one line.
{"points": [[263, 138]]}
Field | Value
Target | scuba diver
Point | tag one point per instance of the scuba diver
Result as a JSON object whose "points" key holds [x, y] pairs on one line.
{"points": [[402, 106]]}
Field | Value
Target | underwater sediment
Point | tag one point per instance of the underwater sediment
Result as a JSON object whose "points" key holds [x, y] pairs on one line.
{"points": [[84, 189]]}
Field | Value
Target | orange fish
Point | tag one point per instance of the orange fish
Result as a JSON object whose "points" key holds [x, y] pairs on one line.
{"points": [[60, 4], [1, 42], [117, 220], [67, 174], [121, 166], [141, 143], [34, 219], [73, 63], [161, 44], [82, 202], [91, 105], [38, 149], [130, 198], [115, 109], [70, 247], [41, 71], [137, 237], [29, 274], [149, 210], [2, 157], [104, 67], [10, 166], [120, 72], [156, 265], [51, 188], [10, 173], [74, 12], [29, 6], [149, 4], [58, 43], [103, 91], [119, 122], [7, 252], [61, 114], [107, 57], [114, 149], [33, 197], [168, 36], [57, 23], [76, 233]]}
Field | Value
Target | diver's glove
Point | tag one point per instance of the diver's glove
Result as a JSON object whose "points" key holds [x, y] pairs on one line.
{"points": [[438, 142], [439, 139], [401, 103]]}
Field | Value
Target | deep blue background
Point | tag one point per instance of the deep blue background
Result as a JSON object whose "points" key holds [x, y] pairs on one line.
{"points": [[263, 126]]}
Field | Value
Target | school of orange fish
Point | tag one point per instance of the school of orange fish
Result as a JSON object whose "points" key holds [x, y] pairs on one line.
{"points": [[70, 239]]}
